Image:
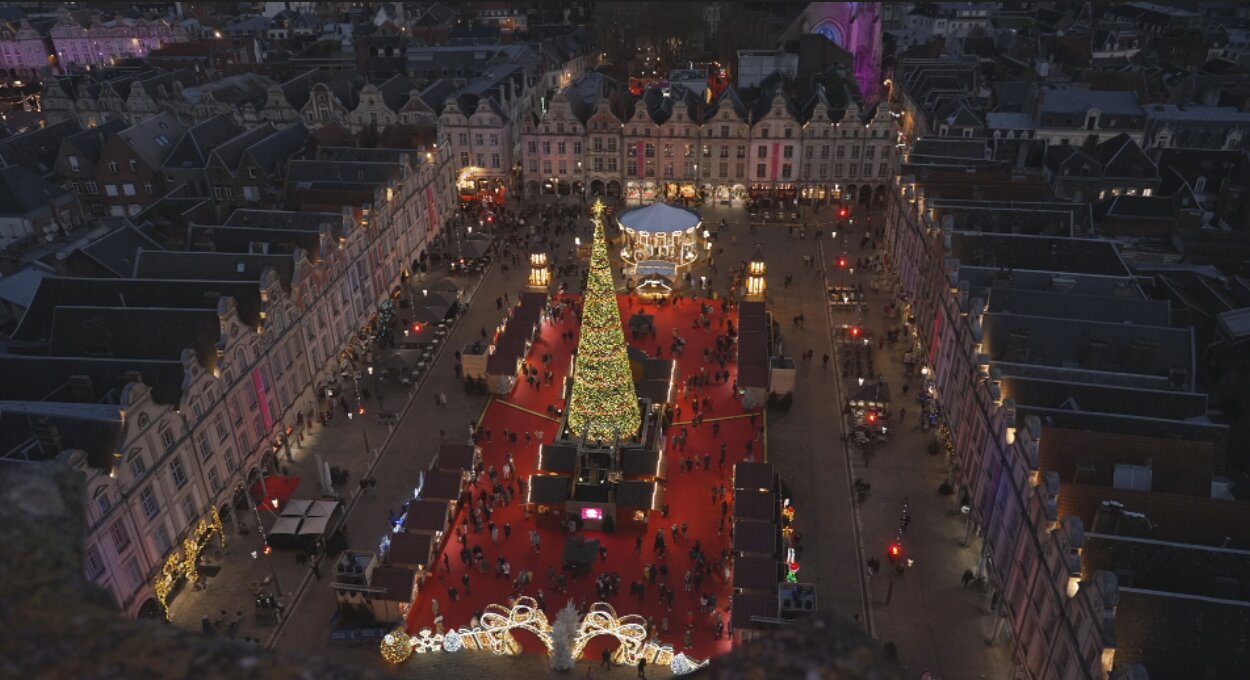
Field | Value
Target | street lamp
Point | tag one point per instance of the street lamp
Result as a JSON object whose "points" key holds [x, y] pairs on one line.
{"points": [[756, 268]]}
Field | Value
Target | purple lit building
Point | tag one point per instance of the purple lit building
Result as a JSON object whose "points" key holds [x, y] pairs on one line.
{"points": [[856, 28]]}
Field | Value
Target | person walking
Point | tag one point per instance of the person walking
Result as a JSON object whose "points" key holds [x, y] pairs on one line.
{"points": [[642, 667], [606, 657]]}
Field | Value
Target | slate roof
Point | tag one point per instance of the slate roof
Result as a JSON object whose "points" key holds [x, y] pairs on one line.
{"points": [[192, 151], [127, 332], [410, 548], [395, 91], [1000, 120], [212, 266], [283, 219], [426, 517], [394, 582], [23, 193], [558, 458], [1092, 398], [753, 476], [1057, 304], [636, 461], [54, 291], [747, 607], [340, 174], [116, 250], [155, 138], [754, 505], [97, 430], [1122, 157], [90, 142], [44, 378], [1079, 101], [756, 573], [37, 150], [633, 493], [278, 146], [546, 489], [760, 538], [1078, 256], [230, 151], [222, 239], [1067, 343], [1072, 158]]}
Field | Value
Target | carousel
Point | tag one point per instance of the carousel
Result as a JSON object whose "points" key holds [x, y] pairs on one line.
{"points": [[660, 241]]}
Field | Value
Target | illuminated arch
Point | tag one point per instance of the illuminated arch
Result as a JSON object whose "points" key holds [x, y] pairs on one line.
{"points": [[498, 622], [831, 30], [630, 629]]}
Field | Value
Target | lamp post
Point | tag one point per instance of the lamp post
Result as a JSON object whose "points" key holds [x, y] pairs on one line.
{"points": [[360, 411], [264, 542]]}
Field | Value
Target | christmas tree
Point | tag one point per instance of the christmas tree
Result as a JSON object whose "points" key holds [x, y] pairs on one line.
{"points": [[563, 637], [604, 405]]}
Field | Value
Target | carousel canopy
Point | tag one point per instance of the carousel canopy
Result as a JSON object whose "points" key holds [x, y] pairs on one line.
{"points": [[659, 217]]}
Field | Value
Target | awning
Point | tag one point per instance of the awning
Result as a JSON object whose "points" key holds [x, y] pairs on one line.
{"points": [[399, 359]]}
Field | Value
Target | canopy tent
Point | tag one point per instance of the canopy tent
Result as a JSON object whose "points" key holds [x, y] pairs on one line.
{"points": [[437, 302], [323, 508], [475, 246], [399, 359], [296, 507], [314, 526], [285, 526]]}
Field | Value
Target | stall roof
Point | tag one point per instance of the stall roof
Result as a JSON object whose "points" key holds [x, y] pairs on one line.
{"points": [[745, 607], [752, 537], [755, 573], [549, 488], [394, 582], [526, 317], [593, 493], [426, 517], [534, 299], [754, 476], [322, 508], [503, 361], [755, 505], [456, 457], [558, 458], [635, 494], [442, 485], [410, 548], [639, 462]]}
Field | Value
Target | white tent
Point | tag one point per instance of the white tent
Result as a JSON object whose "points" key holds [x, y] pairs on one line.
{"points": [[322, 508], [314, 526], [296, 507]]}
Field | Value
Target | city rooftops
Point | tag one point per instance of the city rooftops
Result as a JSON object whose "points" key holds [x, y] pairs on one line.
{"points": [[1062, 304], [1079, 101], [1037, 253]]}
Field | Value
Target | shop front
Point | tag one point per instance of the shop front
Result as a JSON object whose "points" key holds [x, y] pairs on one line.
{"points": [[641, 193]]}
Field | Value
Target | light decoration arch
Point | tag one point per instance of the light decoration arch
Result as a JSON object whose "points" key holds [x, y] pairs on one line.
{"points": [[494, 633]]}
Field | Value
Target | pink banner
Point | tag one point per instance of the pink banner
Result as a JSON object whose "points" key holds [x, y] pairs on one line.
{"points": [[262, 395]]}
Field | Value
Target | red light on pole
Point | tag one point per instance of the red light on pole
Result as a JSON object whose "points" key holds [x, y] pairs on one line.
{"points": [[854, 331], [872, 417], [361, 411], [842, 263], [896, 550], [843, 212], [268, 550]]}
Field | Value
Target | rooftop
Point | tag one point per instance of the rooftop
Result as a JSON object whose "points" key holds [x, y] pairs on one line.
{"points": [[1037, 253]]}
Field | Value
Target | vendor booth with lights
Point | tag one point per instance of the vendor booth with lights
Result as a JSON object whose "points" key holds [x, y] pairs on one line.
{"points": [[362, 584]]}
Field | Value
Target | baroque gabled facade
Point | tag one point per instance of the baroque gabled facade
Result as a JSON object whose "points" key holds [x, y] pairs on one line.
{"points": [[672, 146]]}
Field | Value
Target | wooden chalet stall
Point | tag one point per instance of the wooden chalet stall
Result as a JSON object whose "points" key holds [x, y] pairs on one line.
{"points": [[411, 550], [360, 581], [753, 354], [467, 458]]}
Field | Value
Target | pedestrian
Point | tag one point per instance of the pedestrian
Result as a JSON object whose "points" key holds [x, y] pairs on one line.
{"points": [[642, 667], [606, 655], [316, 568], [507, 530], [967, 578]]}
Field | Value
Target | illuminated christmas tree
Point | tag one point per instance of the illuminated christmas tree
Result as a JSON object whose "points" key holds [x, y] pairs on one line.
{"points": [[604, 405]]}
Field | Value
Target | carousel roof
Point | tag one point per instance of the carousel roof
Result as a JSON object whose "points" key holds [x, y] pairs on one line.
{"points": [[659, 217]]}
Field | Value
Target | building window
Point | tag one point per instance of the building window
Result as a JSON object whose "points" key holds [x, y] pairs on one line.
{"points": [[167, 438], [787, 151], [786, 169], [762, 150], [464, 159], [577, 148], [759, 171], [110, 189], [177, 472], [134, 575], [120, 535], [560, 148], [188, 509], [93, 189], [137, 466], [161, 537], [95, 565], [148, 188], [214, 479], [147, 498], [220, 425], [112, 166], [494, 160], [206, 446]]}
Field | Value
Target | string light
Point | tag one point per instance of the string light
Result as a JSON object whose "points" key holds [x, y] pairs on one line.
{"points": [[603, 405], [498, 622]]}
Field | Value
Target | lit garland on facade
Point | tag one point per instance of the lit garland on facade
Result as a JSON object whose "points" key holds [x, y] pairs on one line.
{"points": [[603, 405], [185, 563], [498, 622]]}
